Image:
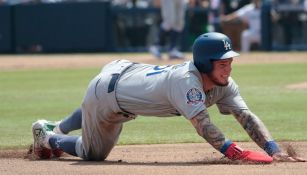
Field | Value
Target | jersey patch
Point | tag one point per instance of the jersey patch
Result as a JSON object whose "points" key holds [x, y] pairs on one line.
{"points": [[194, 96]]}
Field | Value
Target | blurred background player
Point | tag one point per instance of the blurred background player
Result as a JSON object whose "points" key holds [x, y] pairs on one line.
{"points": [[173, 20], [249, 14]]}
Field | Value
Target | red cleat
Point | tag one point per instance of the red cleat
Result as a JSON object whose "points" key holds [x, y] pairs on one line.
{"points": [[57, 152]]}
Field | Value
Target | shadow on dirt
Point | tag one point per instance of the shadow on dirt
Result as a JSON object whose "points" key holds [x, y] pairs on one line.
{"points": [[222, 161]]}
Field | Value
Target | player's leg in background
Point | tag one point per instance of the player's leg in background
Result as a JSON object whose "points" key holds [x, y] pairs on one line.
{"points": [[174, 35], [164, 28], [245, 41], [174, 53], [247, 38], [178, 10], [156, 48], [162, 36]]}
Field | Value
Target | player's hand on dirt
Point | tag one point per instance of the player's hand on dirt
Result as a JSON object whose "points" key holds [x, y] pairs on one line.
{"points": [[284, 157]]}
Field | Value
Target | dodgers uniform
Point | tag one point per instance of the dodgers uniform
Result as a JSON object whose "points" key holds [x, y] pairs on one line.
{"points": [[125, 89]]}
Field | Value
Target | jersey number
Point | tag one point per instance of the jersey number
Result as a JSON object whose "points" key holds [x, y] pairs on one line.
{"points": [[158, 70]]}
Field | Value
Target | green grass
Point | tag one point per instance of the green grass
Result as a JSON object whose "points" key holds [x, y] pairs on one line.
{"points": [[26, 96]]}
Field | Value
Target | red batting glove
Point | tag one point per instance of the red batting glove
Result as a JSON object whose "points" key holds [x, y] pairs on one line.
{"points": [[234, 152]]}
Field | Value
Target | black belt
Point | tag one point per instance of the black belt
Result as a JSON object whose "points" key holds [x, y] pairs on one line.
{"points": [[115, 77], [111, 88], [112, 84]]}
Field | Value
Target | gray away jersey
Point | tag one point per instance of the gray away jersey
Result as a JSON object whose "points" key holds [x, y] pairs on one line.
{"points": [[170, 90]]}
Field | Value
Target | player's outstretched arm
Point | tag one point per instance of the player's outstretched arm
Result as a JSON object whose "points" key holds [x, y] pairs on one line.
{"points": [[216, 138], [254, 127], [261, 136], [208, 130]]}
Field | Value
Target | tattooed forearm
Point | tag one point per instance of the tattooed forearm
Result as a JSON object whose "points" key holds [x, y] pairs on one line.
{"points": [[207, 130], [253, 126]]}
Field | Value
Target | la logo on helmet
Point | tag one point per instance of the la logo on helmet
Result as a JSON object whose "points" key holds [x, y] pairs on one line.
{"points": [[227, 45]]}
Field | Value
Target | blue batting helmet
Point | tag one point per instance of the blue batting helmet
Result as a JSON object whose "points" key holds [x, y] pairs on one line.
{"points": [[210, 47]]}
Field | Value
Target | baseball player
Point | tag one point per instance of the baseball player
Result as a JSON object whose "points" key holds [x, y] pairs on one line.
{"points": [[251, 15], [173, 14], [126, 89]]}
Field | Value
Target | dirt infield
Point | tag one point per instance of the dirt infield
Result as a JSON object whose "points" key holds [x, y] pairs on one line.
{"points": [[71, 61], [174, 159], [166, 159]]}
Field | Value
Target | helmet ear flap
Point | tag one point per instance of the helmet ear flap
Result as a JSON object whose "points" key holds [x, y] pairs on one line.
{"points": [[205, 66]]}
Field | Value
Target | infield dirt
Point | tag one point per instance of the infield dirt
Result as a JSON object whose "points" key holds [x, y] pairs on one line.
{"points": [[71, 61], [166, 159]]}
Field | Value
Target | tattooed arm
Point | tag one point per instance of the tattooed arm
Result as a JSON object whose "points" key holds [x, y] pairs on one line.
{"points": [[260, 134], [253, 126], [208, 130]]}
